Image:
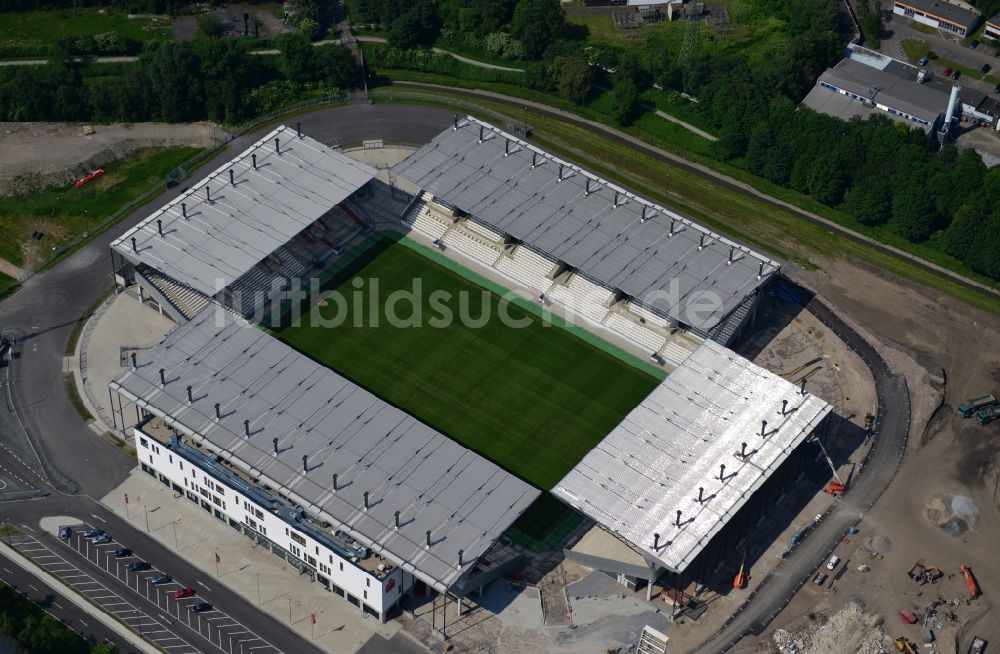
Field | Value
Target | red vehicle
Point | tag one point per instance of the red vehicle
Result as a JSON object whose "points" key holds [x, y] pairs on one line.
{"points": [[89, 178], [907, 617], [184, 592], [946, 72]]}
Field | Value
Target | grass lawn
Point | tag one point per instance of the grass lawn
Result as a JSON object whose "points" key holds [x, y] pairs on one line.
{"points": [[65, 213], [36, 30], [534, 399], [914, 49]]}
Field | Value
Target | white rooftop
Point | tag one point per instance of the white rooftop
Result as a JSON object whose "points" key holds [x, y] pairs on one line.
{"points": [[653, 463], [291, 187], [259, 385], [610, 235]]}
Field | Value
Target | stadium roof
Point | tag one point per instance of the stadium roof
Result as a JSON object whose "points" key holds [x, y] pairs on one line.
{"points": [[587, 222], [652, 464], [222, 239], [436, 484]]}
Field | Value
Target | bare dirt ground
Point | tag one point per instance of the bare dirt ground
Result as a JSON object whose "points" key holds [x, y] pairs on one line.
{"points": [[41, 154], [942, 506]]}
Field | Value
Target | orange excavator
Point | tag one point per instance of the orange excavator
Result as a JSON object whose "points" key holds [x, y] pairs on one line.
{"points": [[970, 581], [741, 580]]}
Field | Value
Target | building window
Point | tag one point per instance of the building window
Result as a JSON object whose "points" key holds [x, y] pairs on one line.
{"points": [[368, 583], [170, 457], [143, 442], [317, 549], [341, 566], [366, 594], [181, 464], [298, 538]]}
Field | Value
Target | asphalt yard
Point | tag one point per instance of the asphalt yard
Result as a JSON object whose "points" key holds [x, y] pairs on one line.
{"points": [[149, 601]]}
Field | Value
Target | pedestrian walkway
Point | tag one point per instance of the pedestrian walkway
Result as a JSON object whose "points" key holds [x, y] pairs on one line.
{"points": [[246, 568]]}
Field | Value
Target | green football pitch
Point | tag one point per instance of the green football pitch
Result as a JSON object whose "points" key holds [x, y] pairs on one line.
{"points": [[533, 398]]}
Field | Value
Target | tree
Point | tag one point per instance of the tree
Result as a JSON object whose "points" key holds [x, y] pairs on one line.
{"points": [[573, 77], [207, 25], [336, 65], [310, 28], [626, 97], [537, 24], [296, 61]]}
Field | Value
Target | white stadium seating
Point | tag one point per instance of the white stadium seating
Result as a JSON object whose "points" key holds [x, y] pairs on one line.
{"points": [[187, 300], [583, 297], [633, 331], [647, 315], [528, 268], [471, 245]]}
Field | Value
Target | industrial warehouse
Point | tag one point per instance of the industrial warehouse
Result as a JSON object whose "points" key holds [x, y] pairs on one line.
{"points": [[866, 83], [371, 501]]}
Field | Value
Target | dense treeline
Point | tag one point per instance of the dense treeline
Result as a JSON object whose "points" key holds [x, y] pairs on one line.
{"points": [[214, 79], [130, 6], [879, 172], [37, 632]]}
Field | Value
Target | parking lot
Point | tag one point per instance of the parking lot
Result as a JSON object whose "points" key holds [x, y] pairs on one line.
{"points": [[157, 611]]}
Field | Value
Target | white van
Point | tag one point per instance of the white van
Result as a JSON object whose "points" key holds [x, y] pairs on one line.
{"points": [[834, 560]]}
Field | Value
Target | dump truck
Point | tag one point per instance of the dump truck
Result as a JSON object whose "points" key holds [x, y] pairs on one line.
{"points": [[988, 415], [970, 407], [970, 581]]}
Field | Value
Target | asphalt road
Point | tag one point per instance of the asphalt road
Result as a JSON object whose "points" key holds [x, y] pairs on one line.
{"points": [[891, 434], [59, 606], [26, 516]]}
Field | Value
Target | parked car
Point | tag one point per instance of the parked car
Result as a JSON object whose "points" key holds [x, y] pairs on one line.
{"points": [[102, 539], [137, 566], [93, 533], [122, 552], [160, 579], [924, 61], [996, 89], [201, 607], [985, 68], [65, 532], [974, 44], [834, 560], [820, 578], [947, 71], [184, 592], [956, 74]]}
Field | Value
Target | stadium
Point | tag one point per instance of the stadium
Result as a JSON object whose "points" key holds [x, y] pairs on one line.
{"points": [[586, 400]]}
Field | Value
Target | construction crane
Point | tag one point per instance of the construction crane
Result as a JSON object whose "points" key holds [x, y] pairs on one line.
{"points": [[740, 582], [970, 581]]}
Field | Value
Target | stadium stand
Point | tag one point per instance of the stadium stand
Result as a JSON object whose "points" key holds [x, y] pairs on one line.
{"points": [[524, 266], [632, 247], [632, 330], [472, 244], [581, 296], [183, 299]]}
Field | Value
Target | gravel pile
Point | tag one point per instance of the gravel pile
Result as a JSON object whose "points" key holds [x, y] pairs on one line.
{"points": [[850, 630]]}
